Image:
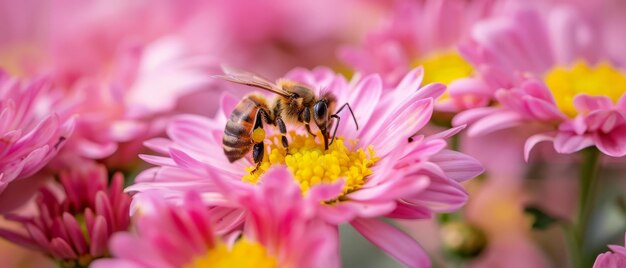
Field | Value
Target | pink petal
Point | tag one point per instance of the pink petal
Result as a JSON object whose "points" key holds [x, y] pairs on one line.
{"points": [[457, 166], [585, 104], [394, 242], [363, 101], [408, 211], [473, 115], [612, 143], [391, 190], [99, 237], [410, 82], [542, 110], [567, 142], [495, 122], [62, 249], [400, 125], [447, 133], [532, 141], [159, 145], [119, 263]]}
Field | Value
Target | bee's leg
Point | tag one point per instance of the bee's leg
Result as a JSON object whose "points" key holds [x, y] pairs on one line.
{"points": [[258, 136], [257, 155], [305, 116], [283, 131]]}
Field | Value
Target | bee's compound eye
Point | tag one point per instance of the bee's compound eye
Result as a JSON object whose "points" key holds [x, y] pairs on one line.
{"points": [[320, 109]]}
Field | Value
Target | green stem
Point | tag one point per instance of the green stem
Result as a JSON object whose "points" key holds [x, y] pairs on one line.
{"points": [[572, 245], [587, 182]]}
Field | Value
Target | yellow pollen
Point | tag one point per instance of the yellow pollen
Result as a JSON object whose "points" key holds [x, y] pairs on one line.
{"points": [[311, 164], [600, 80], [258, 135], [244, 254], [444, 67]]}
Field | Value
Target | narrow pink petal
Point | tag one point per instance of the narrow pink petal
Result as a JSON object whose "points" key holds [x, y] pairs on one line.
{"points": [[400, 125], [337, 213], [363, 100], [394, 242], [391, 190], [457, 166], [585, 103], [537, 89], [323, 192], [99, 237], [62, 249], [103, 208], [38, 236], [473, 115], [19, 239], [612, 143], [495, 122], [434, 90], [75, 233], [567, 143], [184, 160], [534, 140], [118, 263], [157, 160], [410, 82], [618, 249], [542, 110], [409, 212], [159, 145]]}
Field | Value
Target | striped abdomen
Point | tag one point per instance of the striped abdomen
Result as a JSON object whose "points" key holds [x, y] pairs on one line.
{"points": [[237, 141]]}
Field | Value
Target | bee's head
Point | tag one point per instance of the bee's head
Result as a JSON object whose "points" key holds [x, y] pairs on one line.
{"points": [[321, 116]]}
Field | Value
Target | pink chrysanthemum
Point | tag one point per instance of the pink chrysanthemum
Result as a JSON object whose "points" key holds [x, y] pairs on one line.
{"points": [[547, 69], [128, 106], [365, 174], [73, 224], [32, 132], [614, 259], [425, 33], [279, 232]]}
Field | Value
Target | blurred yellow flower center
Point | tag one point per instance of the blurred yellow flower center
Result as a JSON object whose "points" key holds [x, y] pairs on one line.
{"points": [[444, 67], [311, 164], [600, 80], [244, 254]]}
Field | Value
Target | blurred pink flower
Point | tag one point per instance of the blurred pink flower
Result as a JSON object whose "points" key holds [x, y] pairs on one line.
{"points": [[425, 33], [132, 104], [498, 210], [73, 224], [32, 129], [279, 232], [365, 174], [556, 77], [614, 259]]}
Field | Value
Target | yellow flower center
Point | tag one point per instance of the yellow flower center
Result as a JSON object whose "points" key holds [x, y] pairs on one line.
{"points": [[444, 67], [601, 80], [312, 165], [244, 254]]}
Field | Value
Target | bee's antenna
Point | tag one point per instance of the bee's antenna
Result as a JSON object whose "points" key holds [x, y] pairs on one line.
{"points": [[335, 115], [352, 113], [336, 127]]}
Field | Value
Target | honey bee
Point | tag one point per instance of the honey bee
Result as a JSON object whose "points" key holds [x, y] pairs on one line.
{"points": [[295, 103]]}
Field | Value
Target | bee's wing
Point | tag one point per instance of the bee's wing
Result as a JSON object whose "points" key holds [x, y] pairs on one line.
{"points": [[251, 79]]}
